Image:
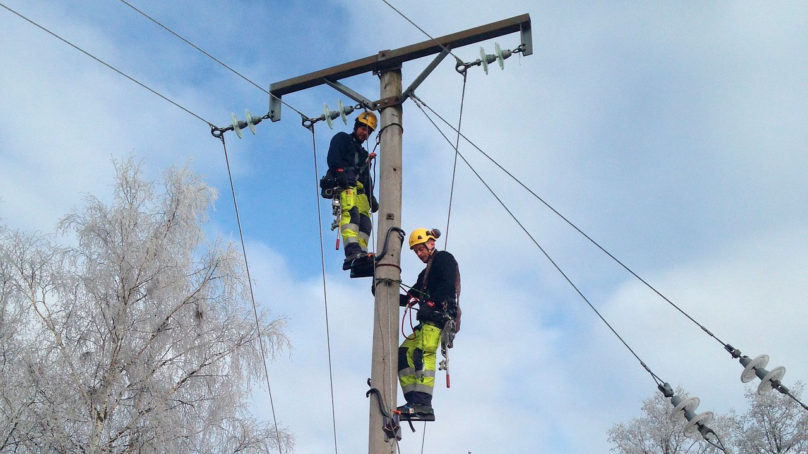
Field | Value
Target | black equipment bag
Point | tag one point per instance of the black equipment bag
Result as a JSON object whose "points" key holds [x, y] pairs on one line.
{"points": [[328, 185]]}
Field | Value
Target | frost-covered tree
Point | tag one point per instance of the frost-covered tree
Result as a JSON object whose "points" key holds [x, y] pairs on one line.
{"points": [[774, 424], [657, 433], [139, 337]]}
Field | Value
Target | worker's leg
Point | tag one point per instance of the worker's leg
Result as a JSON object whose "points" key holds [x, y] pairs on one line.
{"points": [[350, 221], [416, 364]]}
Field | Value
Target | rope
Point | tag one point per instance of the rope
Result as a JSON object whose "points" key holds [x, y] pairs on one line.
{"points": [[325, 294], [407, 310], [544, 252], [252, 297], [165, 98], [454, 165]]}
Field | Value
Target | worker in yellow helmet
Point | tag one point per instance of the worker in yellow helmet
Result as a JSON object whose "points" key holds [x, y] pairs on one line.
{"points": [[436, 293], [349, 166]]}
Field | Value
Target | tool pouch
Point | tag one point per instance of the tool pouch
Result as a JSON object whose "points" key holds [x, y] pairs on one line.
{"points": [[328, 185]]}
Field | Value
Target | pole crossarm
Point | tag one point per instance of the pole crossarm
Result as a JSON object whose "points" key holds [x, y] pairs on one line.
{"points": [[391, 59]]}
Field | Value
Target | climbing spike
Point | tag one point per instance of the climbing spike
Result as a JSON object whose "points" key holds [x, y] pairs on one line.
{"points": [[342, 111], [249, 120], [484, 59], [750, 366], [500, 58], [236, 127], [766, 382]]}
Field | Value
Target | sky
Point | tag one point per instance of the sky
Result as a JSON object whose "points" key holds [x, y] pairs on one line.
{"points": [[673, 134]]}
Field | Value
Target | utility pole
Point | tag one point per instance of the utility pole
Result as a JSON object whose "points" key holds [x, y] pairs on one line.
{"points": [[384, 366]]}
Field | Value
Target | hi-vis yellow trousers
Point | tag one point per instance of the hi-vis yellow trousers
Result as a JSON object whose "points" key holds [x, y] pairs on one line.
{"points": [[416, 363], [355, 224]]}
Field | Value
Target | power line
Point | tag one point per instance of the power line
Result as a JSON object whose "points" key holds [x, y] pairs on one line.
{"points": [[571, 224], [325, 294], [454, 164], [105, 64], [558, 268], [249, 279], [699, 422], [421, 30], [252, 297], [768, 378], [186, 41]]}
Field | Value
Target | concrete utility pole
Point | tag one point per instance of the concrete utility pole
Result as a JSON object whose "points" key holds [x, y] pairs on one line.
{"points": [[384, 369], [388, 272]]}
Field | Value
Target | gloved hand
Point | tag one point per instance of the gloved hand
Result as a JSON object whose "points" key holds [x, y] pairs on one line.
{"points": [[374, 204], [406, 300]]}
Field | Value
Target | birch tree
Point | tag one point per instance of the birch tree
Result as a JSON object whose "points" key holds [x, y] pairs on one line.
{"points": [[656, 432], [139, 337], [774, 424]]}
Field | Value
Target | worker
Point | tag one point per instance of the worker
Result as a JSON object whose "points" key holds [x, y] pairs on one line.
{"points": [[348, 164], [435, 292]]}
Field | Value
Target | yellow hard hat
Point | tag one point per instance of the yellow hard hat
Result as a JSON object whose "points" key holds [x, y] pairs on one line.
{"points": [[368, 119], [422, 235]]}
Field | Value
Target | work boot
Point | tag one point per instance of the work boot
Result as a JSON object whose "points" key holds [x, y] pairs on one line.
{"points": [[349, 260], [416, 412]]}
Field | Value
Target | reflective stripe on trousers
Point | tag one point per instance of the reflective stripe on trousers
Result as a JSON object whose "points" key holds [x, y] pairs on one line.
{"points": [[416, 359], [355, 224]]}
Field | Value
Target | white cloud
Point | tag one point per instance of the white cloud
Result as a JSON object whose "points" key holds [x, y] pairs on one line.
{"points": [[671, 134]]}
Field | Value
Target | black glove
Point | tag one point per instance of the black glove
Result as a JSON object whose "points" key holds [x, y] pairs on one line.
{"points": [[406, 300], [374, 204]]}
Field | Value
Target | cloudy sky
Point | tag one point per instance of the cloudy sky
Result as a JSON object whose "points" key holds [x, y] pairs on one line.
{"points": [[672, 134]]}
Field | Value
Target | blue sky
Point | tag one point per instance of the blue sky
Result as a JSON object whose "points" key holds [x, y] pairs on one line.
{"points": [[673, 134]]}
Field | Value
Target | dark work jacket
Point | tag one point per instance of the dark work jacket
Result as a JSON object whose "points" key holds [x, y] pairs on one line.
{"points": [[346, 153], [439, 289]]}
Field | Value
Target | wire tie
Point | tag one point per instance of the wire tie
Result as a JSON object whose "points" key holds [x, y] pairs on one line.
{"points": [[389, 264]]}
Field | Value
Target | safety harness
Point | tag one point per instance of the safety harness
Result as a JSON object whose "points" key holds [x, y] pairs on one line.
{"points": [[451, 324]]}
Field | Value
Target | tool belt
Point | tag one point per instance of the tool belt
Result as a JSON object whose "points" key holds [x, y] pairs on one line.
{"points": [[332, 183], [329, 185]]}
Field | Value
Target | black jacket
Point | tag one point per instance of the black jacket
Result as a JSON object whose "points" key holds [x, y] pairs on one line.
{"points": [[439, 289], [345, 152]]}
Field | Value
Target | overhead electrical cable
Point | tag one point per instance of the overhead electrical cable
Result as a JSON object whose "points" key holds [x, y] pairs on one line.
{"points": [[249, 279], [165, 98], [325, 294], [228, 67], [252, 297], [454, 164], [697, 421], [419, 102], [571, 224], [421, 30], [772, 378]]}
